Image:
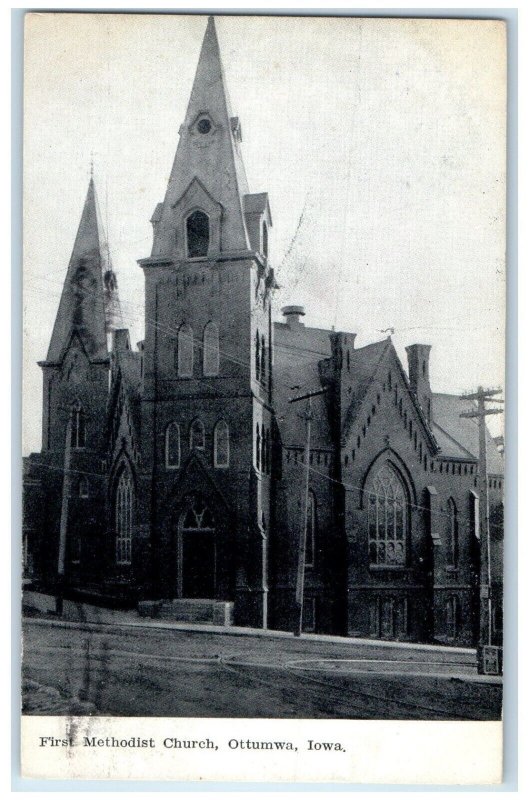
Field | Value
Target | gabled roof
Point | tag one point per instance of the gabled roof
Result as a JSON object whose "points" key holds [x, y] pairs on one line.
{"points": [[462, 432], [257, 204], [364, 365], [297, 354]]}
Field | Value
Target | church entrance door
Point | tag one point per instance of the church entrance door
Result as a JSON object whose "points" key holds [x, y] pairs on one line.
{"points": [[197, 553]]}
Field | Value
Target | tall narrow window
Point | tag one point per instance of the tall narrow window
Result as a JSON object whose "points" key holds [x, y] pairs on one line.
{"points": [[221, 448], [452, 534], [197, 234], [263, 359], [172, 446], [123, 519], [83, 488], [452, 613], [185, 351], [265, 240], [77, 438], [197, 436], [257, 357], [387, 519], [257, 448], [310, 539], [210, 364]]}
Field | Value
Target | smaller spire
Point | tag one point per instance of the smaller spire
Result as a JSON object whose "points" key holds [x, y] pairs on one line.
{"points": [[89, 304]]}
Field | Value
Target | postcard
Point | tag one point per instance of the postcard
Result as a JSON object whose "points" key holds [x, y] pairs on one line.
{"points": [[263, 373]]}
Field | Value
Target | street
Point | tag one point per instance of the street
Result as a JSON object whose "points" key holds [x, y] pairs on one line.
{"points": [[144, 670]]}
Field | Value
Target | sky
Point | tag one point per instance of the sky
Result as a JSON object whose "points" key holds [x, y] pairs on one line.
{"points": [[381, 144]]}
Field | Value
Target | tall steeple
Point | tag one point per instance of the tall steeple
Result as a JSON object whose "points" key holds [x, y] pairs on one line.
{"points": [[208, 158], [89, 304]]}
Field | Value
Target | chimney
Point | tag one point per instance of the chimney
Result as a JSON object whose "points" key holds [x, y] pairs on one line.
{"points": [[419, 375], [292, 316]]}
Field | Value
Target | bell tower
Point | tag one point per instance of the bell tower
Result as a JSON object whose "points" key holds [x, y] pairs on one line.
{"points": [[207, 360]]}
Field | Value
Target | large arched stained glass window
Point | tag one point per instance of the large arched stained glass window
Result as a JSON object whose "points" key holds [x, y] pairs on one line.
{"points": [[210, 364], [185, 352], [172, 446], [221, 450], [197, 234], [123, 518], [452, 534], [387, 513]]}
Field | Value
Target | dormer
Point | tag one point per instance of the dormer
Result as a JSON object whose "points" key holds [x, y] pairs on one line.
{"points": [[258, 222], [197, 220]]}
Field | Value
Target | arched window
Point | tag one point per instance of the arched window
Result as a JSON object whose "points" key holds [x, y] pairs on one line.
{"points": [[210, 361], [123, 518], [221, 449], [265, 240], [310, 539], [452, 534], [197, 234], [172, 446], [83, 488], [77, 438], [185, 351], [197, 436], [387, 519]]}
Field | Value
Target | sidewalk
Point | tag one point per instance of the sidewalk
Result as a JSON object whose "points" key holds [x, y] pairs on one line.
{"points": [[77, 612]]}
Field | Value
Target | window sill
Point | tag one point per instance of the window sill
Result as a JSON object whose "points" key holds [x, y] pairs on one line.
{"points": [[453, 570], [389, 567]]}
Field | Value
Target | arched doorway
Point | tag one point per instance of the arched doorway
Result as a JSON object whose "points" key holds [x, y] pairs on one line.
{"points": [[197, 551]]}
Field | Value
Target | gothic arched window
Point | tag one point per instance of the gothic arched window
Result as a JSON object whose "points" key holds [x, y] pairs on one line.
{"points": [[221, 445], [77, 438], [123, 518], [310, 539], [197, 234], [452, 534], [210, 359], [387, 519], [197, 435], [185, 351], [172, 446]]}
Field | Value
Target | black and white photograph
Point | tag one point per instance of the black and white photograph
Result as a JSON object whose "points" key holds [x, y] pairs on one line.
{"points": [[263, 382]]}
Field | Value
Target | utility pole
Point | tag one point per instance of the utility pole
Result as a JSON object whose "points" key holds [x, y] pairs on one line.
{"points": [[63, 530], [488, 656], [307, 415]]}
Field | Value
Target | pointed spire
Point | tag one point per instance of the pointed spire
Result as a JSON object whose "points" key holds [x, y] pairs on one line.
{"points": [[89, 302], [208, 152]]}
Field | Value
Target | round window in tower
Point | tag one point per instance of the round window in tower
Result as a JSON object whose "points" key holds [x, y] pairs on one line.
{"points": [[204, 126]]}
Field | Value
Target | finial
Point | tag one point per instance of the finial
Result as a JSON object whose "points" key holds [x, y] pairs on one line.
{"points": [[92, 165]]}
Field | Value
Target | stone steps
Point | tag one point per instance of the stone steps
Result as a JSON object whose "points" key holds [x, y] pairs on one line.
{"points": [[207, 612]]}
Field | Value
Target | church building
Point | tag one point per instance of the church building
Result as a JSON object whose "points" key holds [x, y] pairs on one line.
{"points": [[173, 474]]}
